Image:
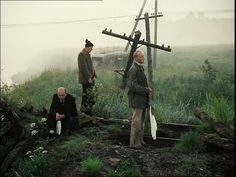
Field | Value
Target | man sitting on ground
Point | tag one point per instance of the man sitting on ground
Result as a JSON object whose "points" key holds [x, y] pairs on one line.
{"points": [[63, 108]]}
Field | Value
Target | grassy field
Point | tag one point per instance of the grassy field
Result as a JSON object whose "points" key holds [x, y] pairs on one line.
{"points": [[188, 77], [187, 61]]}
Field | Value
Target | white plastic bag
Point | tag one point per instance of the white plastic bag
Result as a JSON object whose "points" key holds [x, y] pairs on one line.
{"points": [[58, 127], [153, 124]]}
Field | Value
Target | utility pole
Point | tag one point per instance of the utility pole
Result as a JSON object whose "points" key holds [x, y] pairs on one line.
{"points": [[149, 55], [136, 24], [134, 46], [155, 38]]}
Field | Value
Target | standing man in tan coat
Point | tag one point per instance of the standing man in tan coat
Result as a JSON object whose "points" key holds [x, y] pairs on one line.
{"points": [[87, 77], [139, 94]]}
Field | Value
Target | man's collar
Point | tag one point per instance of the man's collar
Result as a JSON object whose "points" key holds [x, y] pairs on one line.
{"points": [[138, 63], [84, 51]]}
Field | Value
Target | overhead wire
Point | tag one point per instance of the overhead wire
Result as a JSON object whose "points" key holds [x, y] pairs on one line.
{"points": [[64, 22], [99, 19]]}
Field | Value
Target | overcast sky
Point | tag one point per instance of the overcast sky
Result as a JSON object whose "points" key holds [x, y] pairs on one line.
{"points": [[25, 34], [42, 11]]}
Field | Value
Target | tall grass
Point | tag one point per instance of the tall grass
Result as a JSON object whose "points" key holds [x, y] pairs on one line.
{"points": [[184, 79], [196, 165], [178, 95], [92, 166], [29, 167], [204, 128], [220, 110], [111, 102], [124, 169], [70, 148], [38, 91], [190, 143]]}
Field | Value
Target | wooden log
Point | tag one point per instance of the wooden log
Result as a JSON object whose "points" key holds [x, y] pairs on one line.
{"points": [[17, 153], [166, 132], [161, 142], [219, 127], [167, 129], [85, 120], [218, 144], [162, 130], [115, 121], [15, 121], [181, 128], [11, 129], [8, 146], [88, 121], [124, 137]]}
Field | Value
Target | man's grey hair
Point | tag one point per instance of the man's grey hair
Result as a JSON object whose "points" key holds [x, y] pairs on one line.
{"points": [[136, 53], [61, 88]]}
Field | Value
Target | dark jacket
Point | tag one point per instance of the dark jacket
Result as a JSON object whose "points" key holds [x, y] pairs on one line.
{"points": [[85, 65], [68, 108], [137, 87]]}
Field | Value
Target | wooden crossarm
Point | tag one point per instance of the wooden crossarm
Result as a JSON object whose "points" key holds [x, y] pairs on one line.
{"points": [[143, 18], [117, 35], [168, 49]]}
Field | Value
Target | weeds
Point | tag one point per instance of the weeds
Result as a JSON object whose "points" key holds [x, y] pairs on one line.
{"points": [[92, 166], [111, 102], [220, 110], [70, 147], [204, 128], [196, 165], [33, 166], [114, 128], [175, 94], [209, 72], [190, 143], [124, 169]]}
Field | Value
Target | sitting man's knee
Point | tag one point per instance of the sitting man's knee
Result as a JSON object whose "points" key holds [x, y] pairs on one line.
{"points": [[73, 123]]}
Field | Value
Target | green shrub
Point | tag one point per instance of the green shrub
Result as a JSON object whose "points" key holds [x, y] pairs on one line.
{"points": [[114, 128], [209, 72], [35, 166], [196, 165], [93, 133], [92, 166], [166, 112], [205, 128], [111, 102], [70, 147], [220, 109], [190, 143], [38, 91], [124, 169]]}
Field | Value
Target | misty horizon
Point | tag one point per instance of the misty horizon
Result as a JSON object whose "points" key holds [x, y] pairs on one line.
{"points": [[23, 45]]}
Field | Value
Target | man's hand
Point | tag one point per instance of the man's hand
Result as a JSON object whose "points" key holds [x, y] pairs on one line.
{"points": [[62, 116], [59, 116], [93, 79], [149, 92], [90, 81]]}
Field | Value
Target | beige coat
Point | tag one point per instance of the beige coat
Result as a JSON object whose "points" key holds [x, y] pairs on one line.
{"points": [[86, 68]]}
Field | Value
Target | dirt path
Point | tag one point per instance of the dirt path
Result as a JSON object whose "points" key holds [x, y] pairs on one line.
{"points": [[150, 161]]}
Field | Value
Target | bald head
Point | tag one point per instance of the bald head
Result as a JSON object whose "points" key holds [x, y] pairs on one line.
{"points": [[61, 92], [139, 56]]}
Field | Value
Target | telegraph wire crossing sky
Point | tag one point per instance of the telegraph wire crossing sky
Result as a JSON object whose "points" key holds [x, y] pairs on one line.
{"points": [[227, 11], [15, 12]]}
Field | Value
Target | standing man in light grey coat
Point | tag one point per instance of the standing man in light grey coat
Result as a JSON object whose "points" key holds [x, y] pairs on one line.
{"points": [[139, 94]]}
